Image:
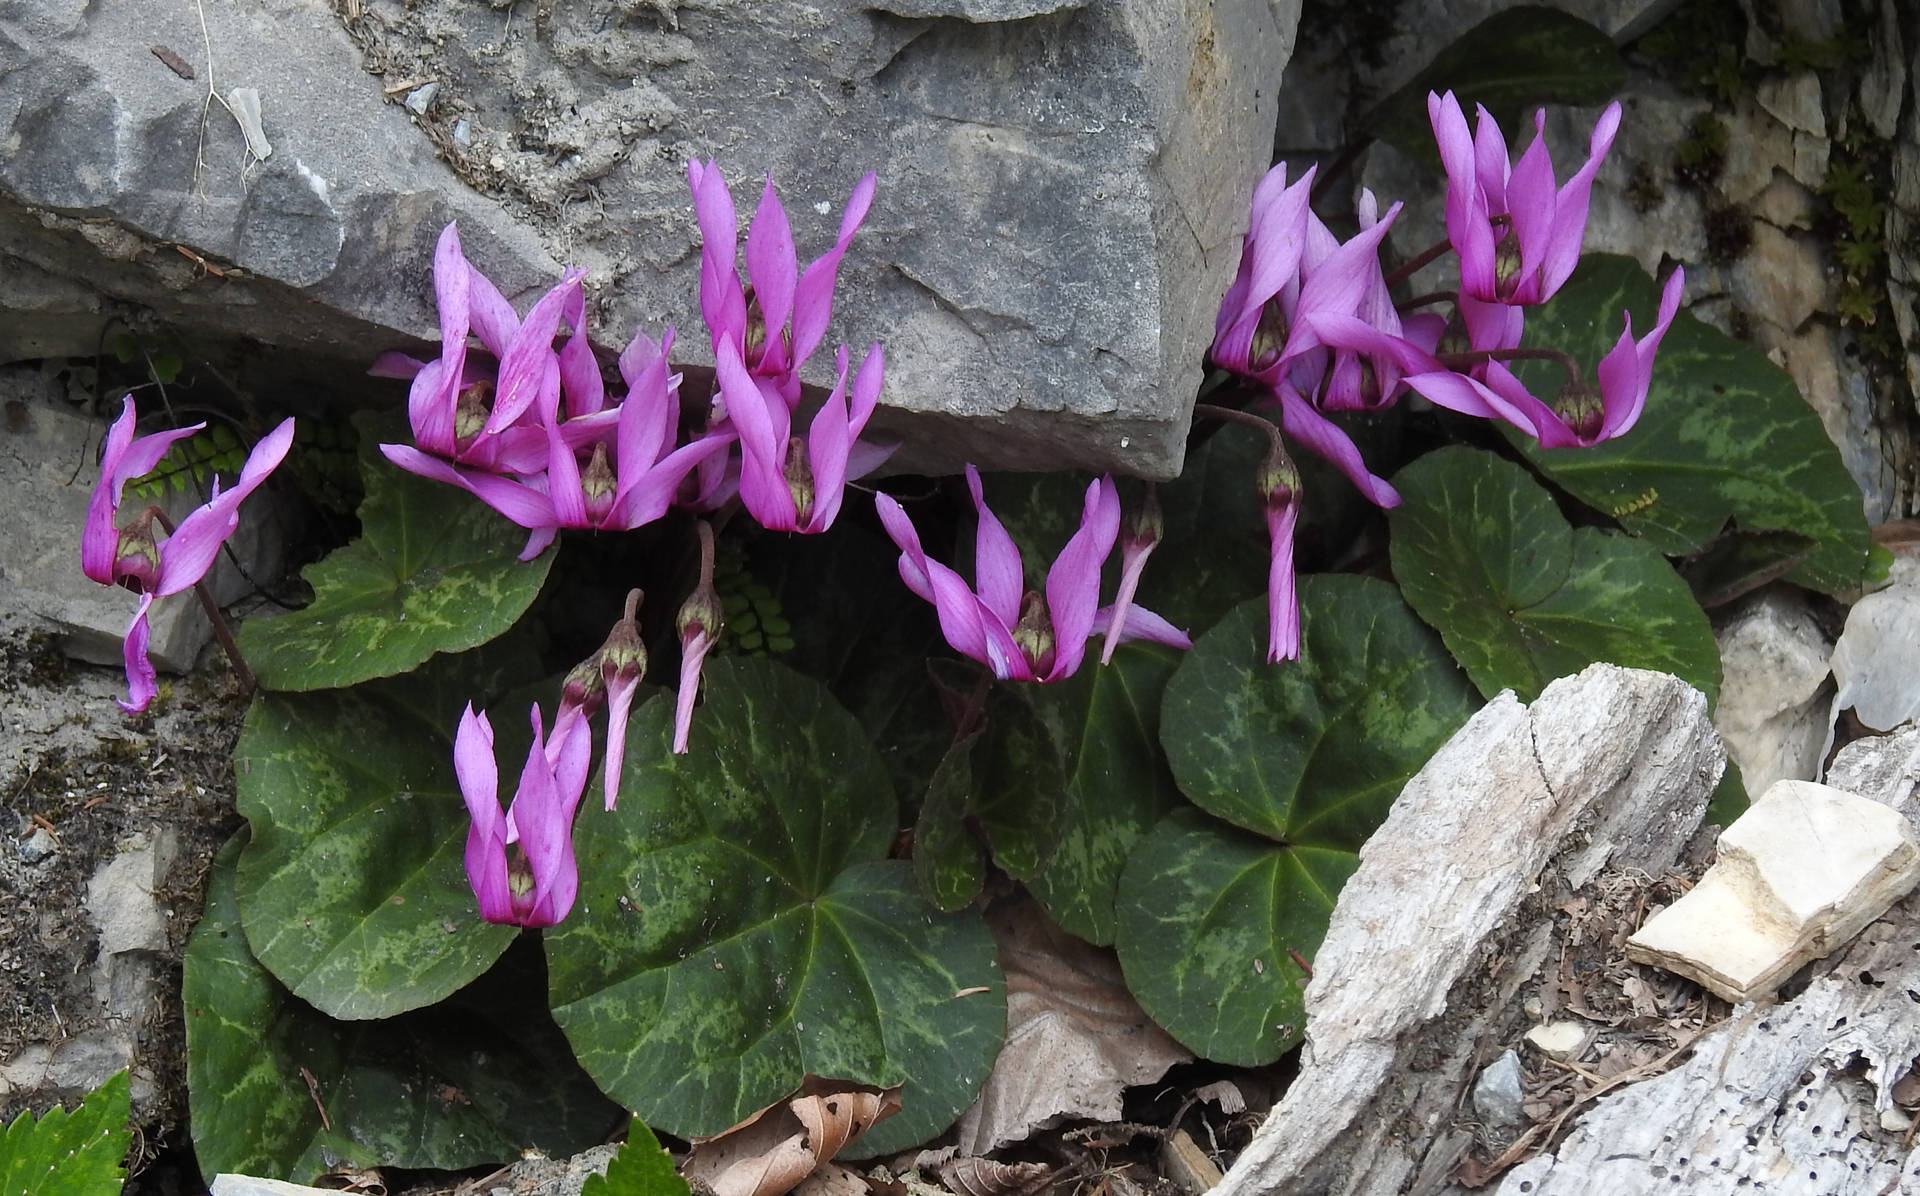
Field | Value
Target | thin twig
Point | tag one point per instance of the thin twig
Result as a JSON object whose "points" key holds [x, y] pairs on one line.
{"points": [[313, 1090]]}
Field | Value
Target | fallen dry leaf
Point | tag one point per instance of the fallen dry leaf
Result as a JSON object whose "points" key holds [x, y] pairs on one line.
{"points": [[984, 1177], [831, 1179], [1075, 1035], [771, 1152]]}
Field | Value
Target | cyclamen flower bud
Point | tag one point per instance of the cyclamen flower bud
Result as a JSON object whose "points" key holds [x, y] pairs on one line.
{"points": [[1141, 530], [699, 623], [622, 662], [1279, 485]]}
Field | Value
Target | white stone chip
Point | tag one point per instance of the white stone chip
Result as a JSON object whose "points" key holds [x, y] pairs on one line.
{"points": [[1805, 869], [1562, 1040]]}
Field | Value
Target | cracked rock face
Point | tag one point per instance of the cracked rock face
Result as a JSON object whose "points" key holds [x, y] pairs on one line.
{"points": [[1063, 185]]}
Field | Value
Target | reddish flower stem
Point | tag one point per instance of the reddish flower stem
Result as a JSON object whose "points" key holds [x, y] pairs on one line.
{"points": [[222, 630]]}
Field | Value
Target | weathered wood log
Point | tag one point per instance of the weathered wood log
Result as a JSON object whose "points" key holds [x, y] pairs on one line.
{"points": [[1794, 1097], [1419, 981]]}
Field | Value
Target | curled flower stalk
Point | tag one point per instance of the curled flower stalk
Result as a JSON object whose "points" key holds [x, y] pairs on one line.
{"points": [[146, 554]]}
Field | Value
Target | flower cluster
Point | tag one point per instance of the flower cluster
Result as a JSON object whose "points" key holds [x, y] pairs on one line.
{"points": [[1310, 320], [533, 429], [156, 561]]}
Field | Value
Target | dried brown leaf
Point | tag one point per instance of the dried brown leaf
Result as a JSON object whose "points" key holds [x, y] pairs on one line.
{"points": [[771, 1152], [1075, 1034], [974, 1176], [831, 1179]]}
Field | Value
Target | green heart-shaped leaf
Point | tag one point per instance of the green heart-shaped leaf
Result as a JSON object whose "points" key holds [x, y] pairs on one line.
{"points": [[1309, 754], [948, 860], [738, 925], [1725, 435], [1484, 555], [1105, 722], [1209, 921], [69, 1154], [433, 571], [474, 1080], [354, 887], [1312, 750]]}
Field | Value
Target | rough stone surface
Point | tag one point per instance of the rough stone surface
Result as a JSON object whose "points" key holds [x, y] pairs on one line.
{"points": [[1876, 661], [1497, 1093], [48, 466], [1883, 767], [1432, 935], [130, 810], [1805, 869], [1773, 711], [1063, 184]]}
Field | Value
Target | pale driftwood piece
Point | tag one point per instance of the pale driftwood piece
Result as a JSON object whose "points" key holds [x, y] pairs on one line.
{"points": [[1793, 1098], [1435, 933], [1786, 1099]]}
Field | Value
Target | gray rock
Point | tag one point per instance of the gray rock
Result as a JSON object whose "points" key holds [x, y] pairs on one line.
{"points": [[48, 466], [39, 845], [1795, 102], [1883, 84], [1885, 768], [1773, 696], [421, 98], [71, 1068], [1498, 1092], [1063, 184], [1438, 932], [120, 897], [229, 1184], [534, 1176]]}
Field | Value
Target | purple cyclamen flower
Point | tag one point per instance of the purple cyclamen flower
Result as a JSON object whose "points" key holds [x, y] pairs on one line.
{"points": [[791, 484], [1579, 415], [1293, 268], [151, 562], [1022, 634], [1526, 256], [1365, 375], [520, 861], [467, 409], [629, 476], [756, 318]]}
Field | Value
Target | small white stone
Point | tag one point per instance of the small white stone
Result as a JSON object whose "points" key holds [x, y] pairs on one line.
{"points": [[1805, 869], [1562, 1040]]}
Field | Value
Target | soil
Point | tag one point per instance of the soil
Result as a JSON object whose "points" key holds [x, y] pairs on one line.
{"points": [[84, 782]]}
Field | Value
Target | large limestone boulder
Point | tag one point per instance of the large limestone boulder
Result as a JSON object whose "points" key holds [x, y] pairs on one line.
{"points": [[1063, 183]]}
